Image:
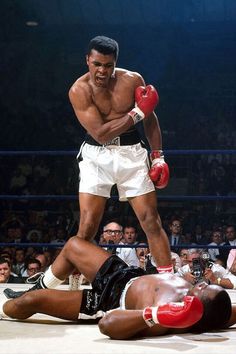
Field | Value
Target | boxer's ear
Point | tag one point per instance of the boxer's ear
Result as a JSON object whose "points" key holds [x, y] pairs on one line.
{"points": [[87, 58]]}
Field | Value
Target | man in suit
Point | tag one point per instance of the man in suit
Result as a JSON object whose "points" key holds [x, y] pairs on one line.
{"points": [[5, 273], [175, 237]]}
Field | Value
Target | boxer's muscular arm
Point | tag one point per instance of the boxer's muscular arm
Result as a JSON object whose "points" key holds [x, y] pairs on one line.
{"points": [[123, 324], [159, 172], [91, 119], [153, 132]]}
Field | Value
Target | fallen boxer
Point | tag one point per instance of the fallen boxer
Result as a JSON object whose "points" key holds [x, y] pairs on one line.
{"points": [[127, 301]]}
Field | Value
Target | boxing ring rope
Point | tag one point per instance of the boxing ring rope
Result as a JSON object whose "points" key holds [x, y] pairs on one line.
{"points": [[75, 197], [75, 152], [143, 245]]}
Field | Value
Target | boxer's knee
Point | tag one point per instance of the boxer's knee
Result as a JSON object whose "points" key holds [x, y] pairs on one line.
{"points": [[71, 246], [71, 243], [151, 223], [74, 247]]}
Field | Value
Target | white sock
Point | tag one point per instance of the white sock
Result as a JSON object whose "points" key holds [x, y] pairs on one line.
{"points": [[49, 279], [2, 313], [165, 269]]}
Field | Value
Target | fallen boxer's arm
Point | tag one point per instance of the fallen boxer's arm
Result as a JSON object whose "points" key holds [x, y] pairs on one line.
{"points": [[122, 324]]}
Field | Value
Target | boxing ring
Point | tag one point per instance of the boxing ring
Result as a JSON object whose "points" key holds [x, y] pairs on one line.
{"points": [[49, 335]]}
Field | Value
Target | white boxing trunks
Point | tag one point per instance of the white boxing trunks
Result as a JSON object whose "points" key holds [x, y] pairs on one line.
{"points": [[123, 295], [127, 166]]}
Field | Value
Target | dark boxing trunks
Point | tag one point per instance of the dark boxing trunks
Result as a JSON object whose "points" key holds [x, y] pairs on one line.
{"points": [[108, 285], [130, 137]]}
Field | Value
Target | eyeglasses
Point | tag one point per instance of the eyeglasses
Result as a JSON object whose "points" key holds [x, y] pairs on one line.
{"points": [[111, 232], [183, 254], [32, 269], [176, 225]]}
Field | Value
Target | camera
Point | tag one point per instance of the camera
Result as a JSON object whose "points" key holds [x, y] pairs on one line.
{"points": [[197, 269], [200, 264]]}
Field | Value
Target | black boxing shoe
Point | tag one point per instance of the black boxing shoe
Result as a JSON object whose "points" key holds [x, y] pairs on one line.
{"points": [[36, 279], [11, 294]]}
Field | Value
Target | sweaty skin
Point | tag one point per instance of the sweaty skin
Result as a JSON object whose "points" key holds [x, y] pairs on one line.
{"points": [[156, 290], [102, 98]]}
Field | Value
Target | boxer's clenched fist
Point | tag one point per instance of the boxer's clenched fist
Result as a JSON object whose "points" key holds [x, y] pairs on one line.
{"points": [[159, 172]]}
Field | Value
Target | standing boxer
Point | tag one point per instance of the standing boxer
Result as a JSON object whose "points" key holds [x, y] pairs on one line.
{"points": [[108, 103], [149, 305]]}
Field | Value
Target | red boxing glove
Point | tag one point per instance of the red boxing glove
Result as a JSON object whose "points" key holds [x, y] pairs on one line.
{"points": [[159, 172], [146, 99], [175, 314]]}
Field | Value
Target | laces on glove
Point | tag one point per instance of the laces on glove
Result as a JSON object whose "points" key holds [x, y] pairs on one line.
{"points": [[156, 154]]}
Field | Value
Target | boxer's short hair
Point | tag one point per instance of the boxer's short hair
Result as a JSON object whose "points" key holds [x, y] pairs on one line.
{"points": [[217, 312], [104, 45]]}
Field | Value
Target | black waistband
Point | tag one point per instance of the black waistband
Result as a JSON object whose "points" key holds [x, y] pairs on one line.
{"points": [[128, 138]]}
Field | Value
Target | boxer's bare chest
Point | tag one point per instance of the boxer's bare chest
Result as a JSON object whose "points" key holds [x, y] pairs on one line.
{"points": [[152, 290], [113, 102]]}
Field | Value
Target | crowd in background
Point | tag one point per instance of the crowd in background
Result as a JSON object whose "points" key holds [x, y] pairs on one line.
{"points": [[31, 242]]}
